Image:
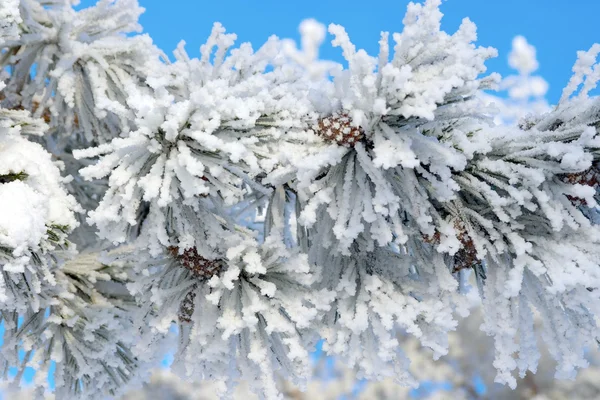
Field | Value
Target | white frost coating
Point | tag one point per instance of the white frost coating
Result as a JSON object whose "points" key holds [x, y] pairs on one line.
{"points": [[585, 71], [18, 155], [32, 186], [10, 18], [23, 218]]}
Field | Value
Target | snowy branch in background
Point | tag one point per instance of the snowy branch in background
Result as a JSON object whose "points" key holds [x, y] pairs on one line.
{"points": [[10, 19], [526, 92]]}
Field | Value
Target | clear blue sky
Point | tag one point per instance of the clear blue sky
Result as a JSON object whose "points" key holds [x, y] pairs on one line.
{"points": [[558, 28]]}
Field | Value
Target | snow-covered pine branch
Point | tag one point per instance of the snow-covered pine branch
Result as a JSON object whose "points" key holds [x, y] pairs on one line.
{"points": [[256, 201], [11, 18], [74, 68], [37, 214]]}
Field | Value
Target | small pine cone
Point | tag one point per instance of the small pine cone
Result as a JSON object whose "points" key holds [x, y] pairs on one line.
{"points": [[338, 128], [186, 308], [466, 257], [435, 239], [589, 177], [201, 267], [46, 114]]}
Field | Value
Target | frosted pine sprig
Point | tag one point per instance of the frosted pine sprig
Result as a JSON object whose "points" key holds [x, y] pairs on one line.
{"points": [[37, 214], [84, 65], [263, 295], [202, 138]]}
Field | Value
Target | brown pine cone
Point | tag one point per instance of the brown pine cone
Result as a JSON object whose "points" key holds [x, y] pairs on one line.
{"points": [[201, 267], [589, 177], [338, 128], [186, 309], [466, 256]]}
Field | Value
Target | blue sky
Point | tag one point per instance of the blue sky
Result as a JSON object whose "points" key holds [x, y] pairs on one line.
{"points": [[558, 28]]}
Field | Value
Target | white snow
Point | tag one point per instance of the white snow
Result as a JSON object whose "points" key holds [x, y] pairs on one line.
{"points": [[23, 218]]}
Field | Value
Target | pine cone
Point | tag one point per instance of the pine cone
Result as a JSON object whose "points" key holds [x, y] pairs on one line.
{"points": [[201, 267], [338, 128], [589, 177], [466, 256], [186, 309], [46, 116]]}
